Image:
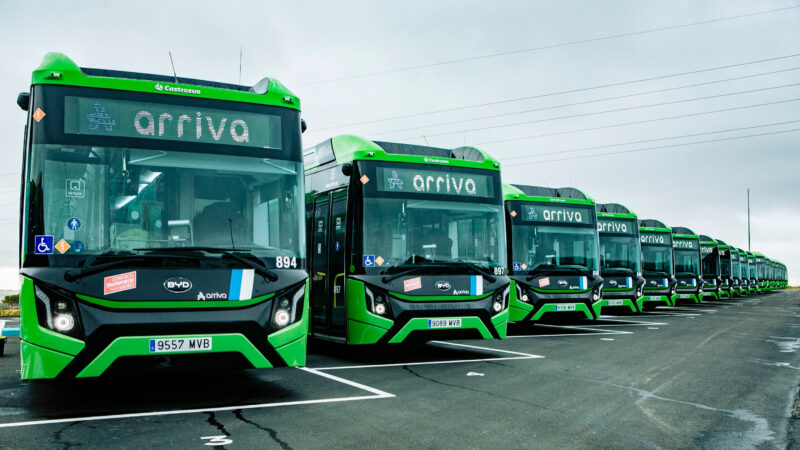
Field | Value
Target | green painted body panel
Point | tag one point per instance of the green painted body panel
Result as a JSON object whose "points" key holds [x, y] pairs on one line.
{"points": [[140, 346], [30, 330], [294, 353], [71, 75], [40, 363], [724, 294], [294, 331], [172, 305]]}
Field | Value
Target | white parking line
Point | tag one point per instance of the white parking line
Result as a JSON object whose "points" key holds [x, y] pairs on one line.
{"points": [[593, 331], [519, 355], [377, 394]]}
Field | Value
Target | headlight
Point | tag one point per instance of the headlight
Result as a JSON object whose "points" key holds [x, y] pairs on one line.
{"points": [[288, 307], [57, 312], [377, 302], [638, 292]]}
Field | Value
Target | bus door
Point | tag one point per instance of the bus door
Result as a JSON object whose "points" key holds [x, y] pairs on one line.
{"points": [[328, 262], [319, 264], [337, 263]]}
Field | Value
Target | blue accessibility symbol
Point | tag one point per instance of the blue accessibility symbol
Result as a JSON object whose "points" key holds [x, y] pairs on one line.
{"points": [[74, 224], [78, 247], [369, 260], [43, 245], [517, 266]]}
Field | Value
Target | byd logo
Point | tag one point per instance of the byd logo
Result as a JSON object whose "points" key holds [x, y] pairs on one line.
{"points": [[443, 285], [177, 285]]}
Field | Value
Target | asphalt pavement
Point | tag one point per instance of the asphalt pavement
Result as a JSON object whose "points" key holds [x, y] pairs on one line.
{"points": [[722, 374]]}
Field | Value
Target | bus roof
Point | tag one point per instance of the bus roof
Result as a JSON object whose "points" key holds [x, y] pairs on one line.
{"points": [[653, 225], [684, 232], [347, 148], [707, 240], [58, 69], [614, 210], [546, 194]]}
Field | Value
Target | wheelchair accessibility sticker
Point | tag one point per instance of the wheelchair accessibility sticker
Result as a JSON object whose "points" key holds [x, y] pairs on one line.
{"points": [[43, 245]]}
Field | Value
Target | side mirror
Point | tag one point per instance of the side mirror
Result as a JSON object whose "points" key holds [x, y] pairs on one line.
{"points": [[23, 99], [303, 126], [347, 169]]}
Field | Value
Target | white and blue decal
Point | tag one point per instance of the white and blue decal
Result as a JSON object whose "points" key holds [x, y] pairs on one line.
{"points": [[583, 282], [241, 284], [475, 285]]}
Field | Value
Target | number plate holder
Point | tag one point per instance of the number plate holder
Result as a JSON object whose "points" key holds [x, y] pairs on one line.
{"points": [[185, 344]]}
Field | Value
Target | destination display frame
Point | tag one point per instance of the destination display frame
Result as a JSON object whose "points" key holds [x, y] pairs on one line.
{"points": [[552, 214], [50, 129], [617, 227]]}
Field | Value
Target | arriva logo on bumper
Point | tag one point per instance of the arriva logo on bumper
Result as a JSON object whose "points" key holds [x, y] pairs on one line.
{"points": [[212, 296]]}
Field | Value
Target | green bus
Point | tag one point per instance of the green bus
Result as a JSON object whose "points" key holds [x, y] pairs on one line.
{"points": [[761, 272], [745, 282], [406, 242], [752, 283], [726, 283], [161, 224], [658, 268], [711, 270], [552, 241], [687, 265], [739, 282], [620, 258]]}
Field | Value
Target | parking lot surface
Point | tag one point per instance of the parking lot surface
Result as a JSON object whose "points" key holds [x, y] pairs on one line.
{"points": [[722, 374]]}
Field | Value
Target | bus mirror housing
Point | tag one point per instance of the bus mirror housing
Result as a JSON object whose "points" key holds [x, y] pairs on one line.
{"points": [[347, 169], [22, 100], [303, 126]]}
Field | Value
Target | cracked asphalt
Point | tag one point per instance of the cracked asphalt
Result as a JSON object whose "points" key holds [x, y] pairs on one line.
{"points": [[718, 375]]}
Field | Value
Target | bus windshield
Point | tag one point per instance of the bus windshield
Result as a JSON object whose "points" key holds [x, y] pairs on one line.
{"points": [[657, 258], [404, 231], [687, 261], [710, 262], [725, 266], [620, 252], [546, 247], [102, 200]]}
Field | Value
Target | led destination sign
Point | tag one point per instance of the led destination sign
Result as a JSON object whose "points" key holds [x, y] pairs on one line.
{"points": [[558, 214], [615, 226], [442, 182], [654, 238], [685, 244], [127, 119]]}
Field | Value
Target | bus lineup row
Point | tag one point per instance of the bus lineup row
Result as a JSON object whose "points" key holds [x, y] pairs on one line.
{"points": [[178, 223]]}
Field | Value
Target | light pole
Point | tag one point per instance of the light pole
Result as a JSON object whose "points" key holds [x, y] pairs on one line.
{"points": [[748, 219]]}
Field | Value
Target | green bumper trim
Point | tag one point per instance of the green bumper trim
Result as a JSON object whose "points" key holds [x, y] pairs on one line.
{"points": [[363, 333], [421, 323], [140, 346], [500, 322], [684, 296], [579, 307], [117, 304], [294, 353], [624, 302], [658, 298], [39, 362], [714, 295]]}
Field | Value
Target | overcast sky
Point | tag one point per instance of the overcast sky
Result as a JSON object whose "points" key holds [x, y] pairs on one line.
{"points": [[354, 62]]}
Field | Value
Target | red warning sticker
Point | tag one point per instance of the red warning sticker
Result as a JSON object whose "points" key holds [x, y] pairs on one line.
{"points": [[412, 284], [544, 282], [118, 283]]}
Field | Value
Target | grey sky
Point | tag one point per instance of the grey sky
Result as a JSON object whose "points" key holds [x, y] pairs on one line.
{"points": [[700, 186]]}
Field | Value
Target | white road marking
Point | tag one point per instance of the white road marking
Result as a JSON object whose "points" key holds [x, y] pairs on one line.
{"points": [[520, 355], [377, 394], [474, 374], [606, 339], [652, 328]]}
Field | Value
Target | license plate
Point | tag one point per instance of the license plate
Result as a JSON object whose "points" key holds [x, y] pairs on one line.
{"points": [[684, 296], [613, 302], [654, 298], [444, 323], [565, 307], [167, 345]]}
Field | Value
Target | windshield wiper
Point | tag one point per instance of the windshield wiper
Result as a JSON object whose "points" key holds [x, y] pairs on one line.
{"points": [[480, 270], [555, 268], [271, 275], [127, 257]]}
